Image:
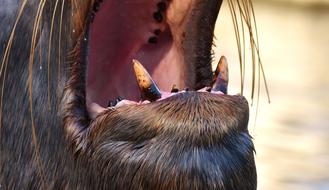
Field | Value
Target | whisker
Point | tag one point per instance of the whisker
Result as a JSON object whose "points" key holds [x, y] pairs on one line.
{"points": [[49, 49], [247, 17], [2, 92], [237, 37], [59, 43], [30, 83]]}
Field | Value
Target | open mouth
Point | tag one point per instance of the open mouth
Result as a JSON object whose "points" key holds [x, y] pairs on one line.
{"points": [[172, 39], [145, 53], [150, 97]]}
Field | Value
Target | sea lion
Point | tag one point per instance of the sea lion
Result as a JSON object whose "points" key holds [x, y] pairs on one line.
{"points": [[63, 61]]}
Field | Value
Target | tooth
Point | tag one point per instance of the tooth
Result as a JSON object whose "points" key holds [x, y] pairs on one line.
{"points": [[221, 78], [149, 90], [113, 103], [174, 89]]}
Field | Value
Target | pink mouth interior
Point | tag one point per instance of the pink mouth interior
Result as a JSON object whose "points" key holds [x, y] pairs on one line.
{"points": [[119, 33]]}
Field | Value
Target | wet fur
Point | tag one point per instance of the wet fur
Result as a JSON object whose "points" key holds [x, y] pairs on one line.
{"points": [[48, 142]]}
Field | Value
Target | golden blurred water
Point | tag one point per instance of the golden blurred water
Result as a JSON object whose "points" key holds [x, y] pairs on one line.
{"points": [[291, 134]]}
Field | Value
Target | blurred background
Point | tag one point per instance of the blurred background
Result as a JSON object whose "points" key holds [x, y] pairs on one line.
{"points": [[291, 134]]}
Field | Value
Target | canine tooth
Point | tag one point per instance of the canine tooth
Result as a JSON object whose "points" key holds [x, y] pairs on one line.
{"points": [[221, 78], [149, 90]]}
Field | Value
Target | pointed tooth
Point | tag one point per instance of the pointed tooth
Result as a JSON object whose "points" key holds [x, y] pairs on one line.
{"points": [[113, 103], [149, 90], [221, 69], [221, 77]]}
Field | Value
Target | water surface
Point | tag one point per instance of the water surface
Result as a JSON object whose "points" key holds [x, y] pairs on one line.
{"points": [[291, 134]]}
